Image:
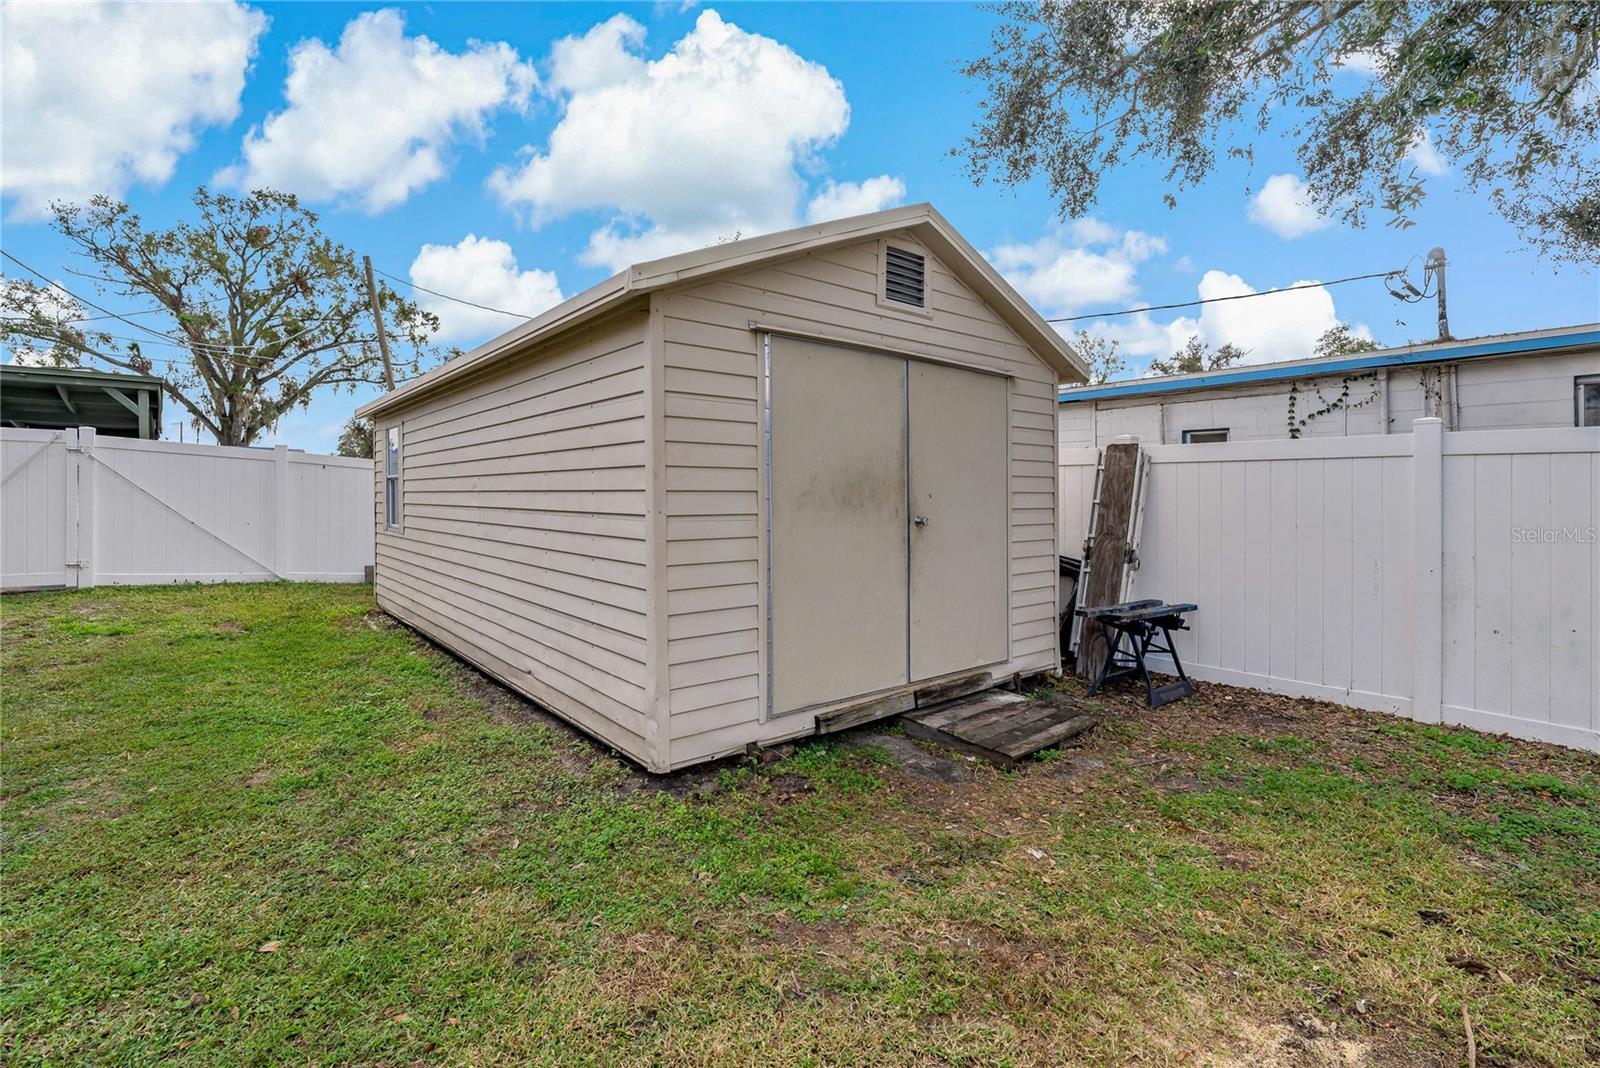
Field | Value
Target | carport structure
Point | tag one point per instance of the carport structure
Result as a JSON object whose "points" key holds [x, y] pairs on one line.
{"points": [[57, 398]]}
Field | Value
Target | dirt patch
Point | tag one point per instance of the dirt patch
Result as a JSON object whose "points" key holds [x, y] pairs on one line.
{"points": [[1283, 731], [1304, 1041], [834, 939], [643, 969], [416, 741], [261, 776], [1174, 782], [369, 621], [917, 760]]}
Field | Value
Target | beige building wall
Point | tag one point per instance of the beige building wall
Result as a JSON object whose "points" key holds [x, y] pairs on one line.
{"points": [[522, 543], [712, 422], [1489, 394]]}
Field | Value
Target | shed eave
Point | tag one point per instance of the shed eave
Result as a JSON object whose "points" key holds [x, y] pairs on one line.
{"points": [[571, 312]]}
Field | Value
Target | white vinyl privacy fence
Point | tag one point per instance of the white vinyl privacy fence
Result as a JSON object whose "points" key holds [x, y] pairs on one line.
{"points": [[1449, 577], [78, 510]]}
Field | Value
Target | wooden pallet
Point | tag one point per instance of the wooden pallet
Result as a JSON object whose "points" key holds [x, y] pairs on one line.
{"points": [[1000, 727]]}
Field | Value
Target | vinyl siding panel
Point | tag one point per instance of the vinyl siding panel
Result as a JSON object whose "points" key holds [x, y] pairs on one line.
{"points": [[1491, 394], [713, 463], [524, 522]]}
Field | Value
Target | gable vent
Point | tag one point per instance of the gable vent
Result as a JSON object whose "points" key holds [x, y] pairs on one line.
{"points": [[903, 276]]}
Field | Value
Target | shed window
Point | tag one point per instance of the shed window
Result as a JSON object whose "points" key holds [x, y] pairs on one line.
{"points": [[391, 479], [904, 276], [1587, 400], [1201, 437]]}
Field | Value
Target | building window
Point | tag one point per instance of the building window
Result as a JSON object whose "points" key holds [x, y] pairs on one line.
{"points": [[391, 479], [1586, 400], [1202, 437]]}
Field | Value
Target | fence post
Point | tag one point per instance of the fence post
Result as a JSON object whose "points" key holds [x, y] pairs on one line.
{"points": [[83, 490], [1427, 565], [281, 526]]}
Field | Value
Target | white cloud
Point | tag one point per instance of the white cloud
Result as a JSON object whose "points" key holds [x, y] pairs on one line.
{"points": [[95, 97], [1086, 263], [606, 55], [840, 200], [484, 271], [1284, 326], [1424, 157], [1360, 61], [373, 120], [1091, 231], [1283, 207], [683, 150]]}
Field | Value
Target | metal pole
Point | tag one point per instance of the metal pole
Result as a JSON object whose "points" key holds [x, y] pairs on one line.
{"points": [[1436, 264], [377, 318]]}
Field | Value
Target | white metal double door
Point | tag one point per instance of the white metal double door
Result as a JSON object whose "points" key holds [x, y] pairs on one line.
{"points": [[887, 522]]}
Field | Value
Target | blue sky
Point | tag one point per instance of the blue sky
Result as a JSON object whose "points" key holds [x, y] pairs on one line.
{"points": [[491, 128]]}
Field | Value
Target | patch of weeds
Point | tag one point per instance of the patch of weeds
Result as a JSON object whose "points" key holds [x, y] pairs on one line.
{"points": [[1466, 782], [1287, 743], [1441, 740], [1539, 783], [841, 765], [1569, 832], [94, 628]]}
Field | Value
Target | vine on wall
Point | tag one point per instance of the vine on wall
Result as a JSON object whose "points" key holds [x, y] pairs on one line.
{"points": [[1298, 423]]}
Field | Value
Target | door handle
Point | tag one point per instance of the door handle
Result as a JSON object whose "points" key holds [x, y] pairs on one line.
{"points": [[920, 521]]}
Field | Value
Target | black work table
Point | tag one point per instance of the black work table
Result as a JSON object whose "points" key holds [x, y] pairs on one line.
{"points": [[1141, 623]]}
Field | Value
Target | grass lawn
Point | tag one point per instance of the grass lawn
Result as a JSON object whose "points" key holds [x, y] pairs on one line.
{"points": [[260, 823]]}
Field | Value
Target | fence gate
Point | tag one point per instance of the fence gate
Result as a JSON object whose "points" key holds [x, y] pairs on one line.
{"points": [[79, 510], [39, 519]]}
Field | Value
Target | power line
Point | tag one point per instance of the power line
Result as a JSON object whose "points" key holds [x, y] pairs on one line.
{"points": [[171, 338], [21, 325], [1063, 319], [1214, 300], [447, 296]]}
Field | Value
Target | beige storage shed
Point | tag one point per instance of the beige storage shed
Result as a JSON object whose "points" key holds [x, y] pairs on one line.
{"points": [[743, 494]]}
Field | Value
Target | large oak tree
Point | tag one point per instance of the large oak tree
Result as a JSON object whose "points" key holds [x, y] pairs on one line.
{"points": [[246, 312]]}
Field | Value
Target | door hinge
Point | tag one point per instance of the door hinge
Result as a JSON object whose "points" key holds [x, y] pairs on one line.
{"points": [[77, 563], [77, 448]]}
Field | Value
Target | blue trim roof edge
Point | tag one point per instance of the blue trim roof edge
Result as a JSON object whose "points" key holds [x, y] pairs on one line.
{"points": [[1367, 361]]}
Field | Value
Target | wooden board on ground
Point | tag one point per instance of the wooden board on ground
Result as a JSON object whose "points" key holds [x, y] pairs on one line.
{"points": [[902, 700], [1109, 543], [1001, 727]]}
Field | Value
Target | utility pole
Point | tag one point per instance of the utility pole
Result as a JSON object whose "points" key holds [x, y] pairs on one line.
{"points": [[1435, 266], [378, 320]]}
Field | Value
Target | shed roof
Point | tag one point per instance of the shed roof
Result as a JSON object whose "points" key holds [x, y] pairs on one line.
{"points": [[53, 398], [1525, 343], [920, 220]]}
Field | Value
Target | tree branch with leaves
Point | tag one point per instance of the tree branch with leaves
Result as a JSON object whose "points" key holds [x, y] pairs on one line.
{"points": [[1506, 92], [249, 310]]}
